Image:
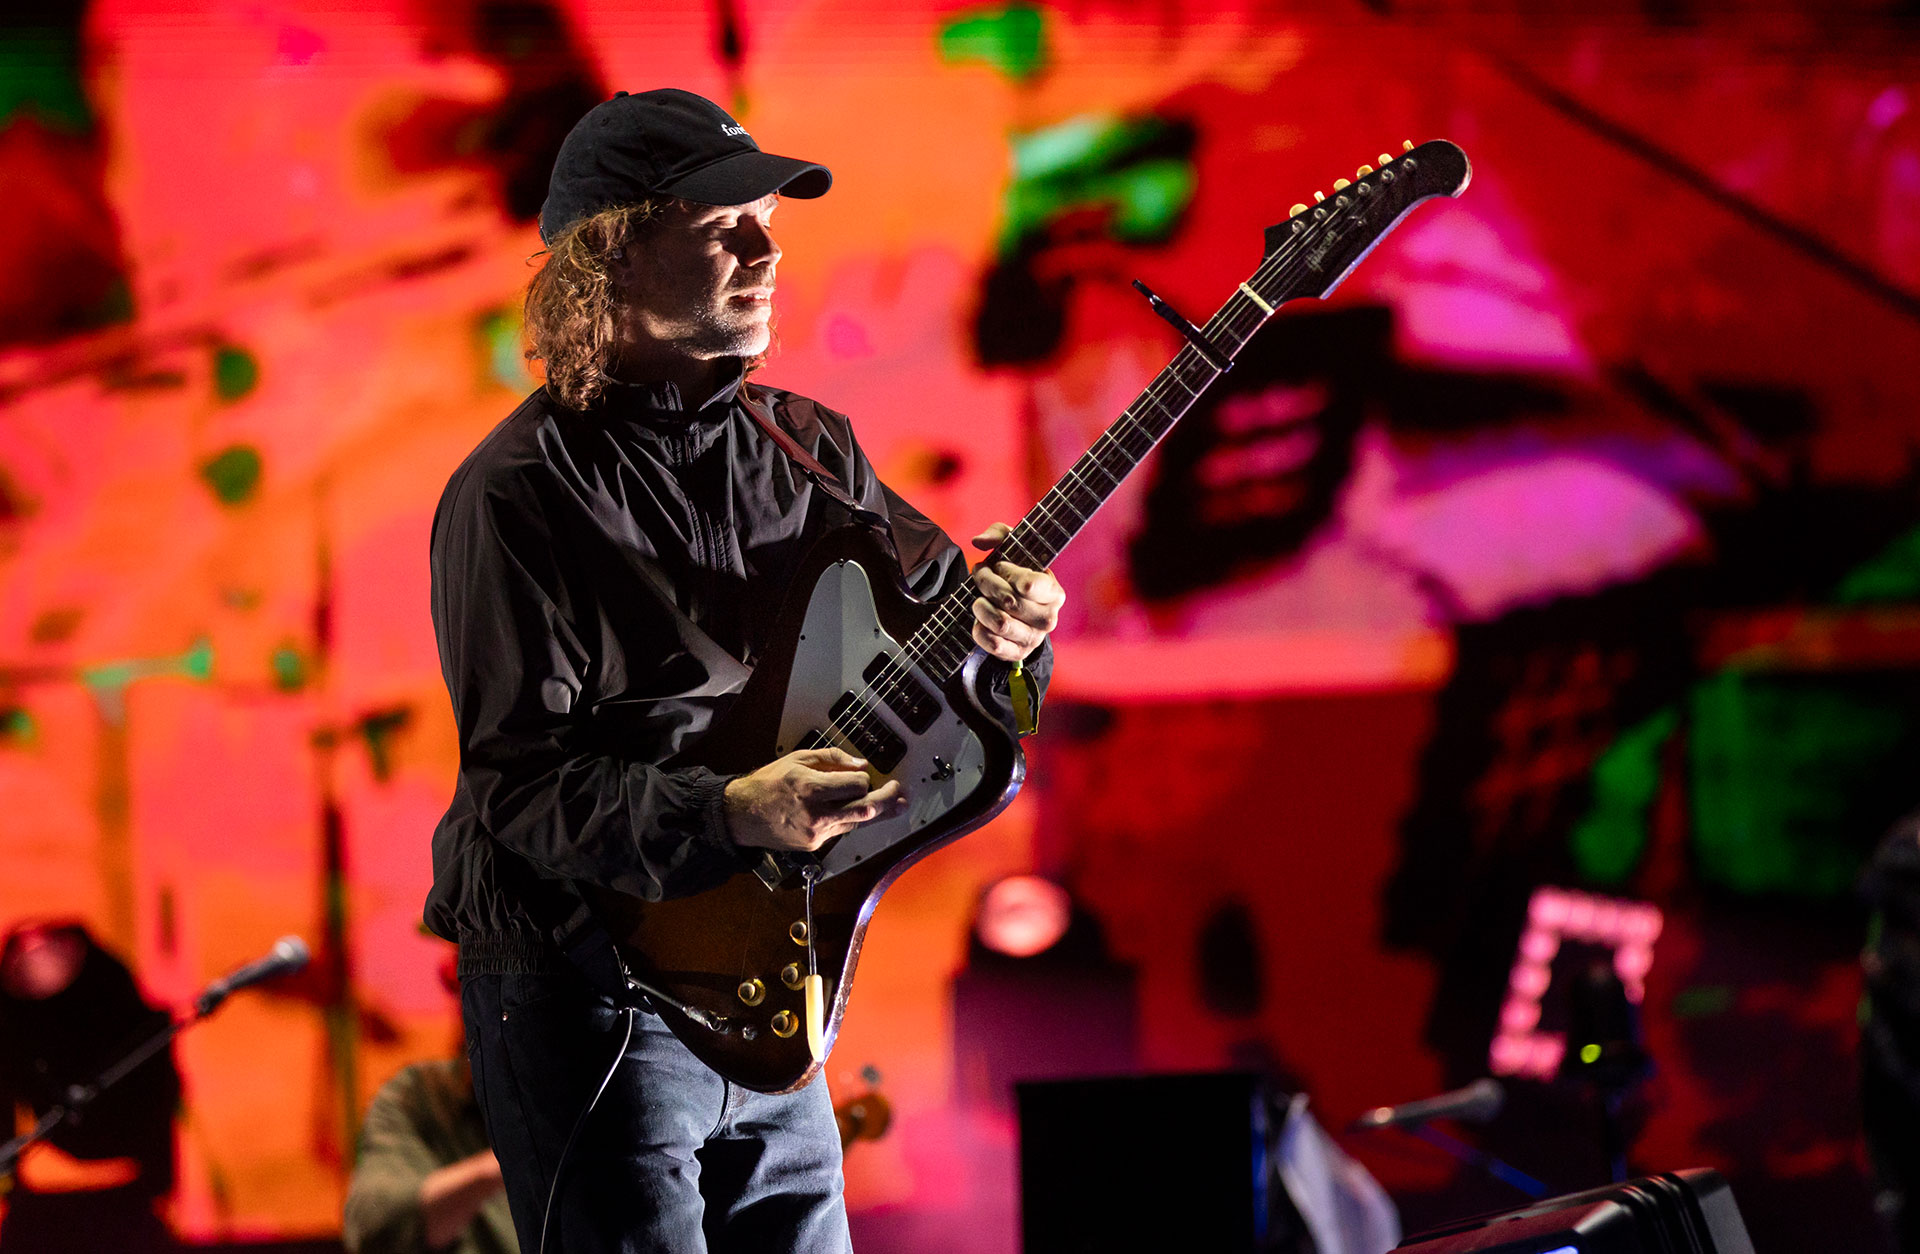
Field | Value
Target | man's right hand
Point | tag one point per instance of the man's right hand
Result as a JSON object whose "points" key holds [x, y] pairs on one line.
{"points": [[805, 799]]}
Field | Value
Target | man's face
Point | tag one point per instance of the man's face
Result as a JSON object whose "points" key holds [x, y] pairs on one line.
{"points": [[701, 280]]}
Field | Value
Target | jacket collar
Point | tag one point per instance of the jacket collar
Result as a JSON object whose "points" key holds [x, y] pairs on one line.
{"points": [[660, 402]]}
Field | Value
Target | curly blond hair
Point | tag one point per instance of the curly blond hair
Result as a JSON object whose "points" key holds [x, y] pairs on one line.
{"points": [[573, 307]]}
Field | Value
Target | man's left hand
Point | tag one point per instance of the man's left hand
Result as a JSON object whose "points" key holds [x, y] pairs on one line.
{"points": [[1016, 607]]}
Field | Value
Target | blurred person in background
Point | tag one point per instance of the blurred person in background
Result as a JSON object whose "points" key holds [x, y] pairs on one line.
{"points": [[69, 1010], [426, 1180], [1890, 1027]]}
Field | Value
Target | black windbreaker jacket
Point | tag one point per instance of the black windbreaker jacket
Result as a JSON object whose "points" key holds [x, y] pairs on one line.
{"points": [[602, 583]]}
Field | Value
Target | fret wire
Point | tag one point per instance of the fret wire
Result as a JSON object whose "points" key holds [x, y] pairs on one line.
{"points": [[1081, 511], [1090, 463], [1037, 517], [1046, 511], [1062, 514]]}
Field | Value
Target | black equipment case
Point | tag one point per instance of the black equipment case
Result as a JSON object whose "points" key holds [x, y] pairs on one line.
{"points": [[1677, 1212]]}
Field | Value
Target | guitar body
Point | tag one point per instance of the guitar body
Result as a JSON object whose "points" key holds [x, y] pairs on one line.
{"points": [[848, 606]]}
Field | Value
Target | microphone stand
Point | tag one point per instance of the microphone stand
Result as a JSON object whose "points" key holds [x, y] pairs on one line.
{"points": [[80, 1096], [1473, 1156]]}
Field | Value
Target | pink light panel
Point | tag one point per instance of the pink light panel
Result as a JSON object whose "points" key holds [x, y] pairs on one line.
{"points": [[1555, 915]]}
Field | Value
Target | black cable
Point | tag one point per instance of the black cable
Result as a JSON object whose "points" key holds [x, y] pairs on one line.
{"points": [[559, 1169]]}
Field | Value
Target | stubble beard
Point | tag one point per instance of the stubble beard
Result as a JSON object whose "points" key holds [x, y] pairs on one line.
{"points": [[714, 326], [727, 329], [723, 332]]}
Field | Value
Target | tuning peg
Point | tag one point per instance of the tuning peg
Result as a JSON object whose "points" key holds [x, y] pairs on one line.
{"points": [[1296, 211], [1341, 185], [1385, 157], [1406, 145], [1363, 171], [1318, 197]]}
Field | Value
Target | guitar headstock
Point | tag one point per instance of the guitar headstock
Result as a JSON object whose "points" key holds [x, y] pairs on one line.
{"points": [[1318, 244]]}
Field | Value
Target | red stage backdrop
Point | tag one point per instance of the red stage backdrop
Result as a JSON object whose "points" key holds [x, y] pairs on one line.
{"points": [[1572, 542]]}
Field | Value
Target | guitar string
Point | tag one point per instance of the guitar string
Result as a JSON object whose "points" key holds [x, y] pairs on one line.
{"points": [[957, 605], [888, 682]]}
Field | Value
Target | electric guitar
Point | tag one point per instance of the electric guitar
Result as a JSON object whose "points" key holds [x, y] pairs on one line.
{"points": [[753, 974]]}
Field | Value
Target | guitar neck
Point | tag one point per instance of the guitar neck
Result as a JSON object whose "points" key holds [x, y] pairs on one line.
{"points": [[946, 638], [1307, 255]]}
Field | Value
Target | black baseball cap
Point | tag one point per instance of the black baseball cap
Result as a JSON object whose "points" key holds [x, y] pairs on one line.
{"points": [[665, 142]]}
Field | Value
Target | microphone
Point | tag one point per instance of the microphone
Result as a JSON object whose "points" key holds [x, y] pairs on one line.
{"points": [[1476, 1103], [289, 954]]}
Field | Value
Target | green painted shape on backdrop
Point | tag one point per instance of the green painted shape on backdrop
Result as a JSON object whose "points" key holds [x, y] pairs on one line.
{"points": [[500, 333], [1074, 146], [195, 663], [17, 726], [1609, 840], [1150, 197], [236, 372], [40, 78], [1073, 165], [1778, 767], [233, 474], [1012, 40], [289, 669], [1891, 575]]}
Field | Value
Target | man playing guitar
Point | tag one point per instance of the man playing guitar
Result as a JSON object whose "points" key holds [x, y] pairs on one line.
{"points": [[606, 565]]}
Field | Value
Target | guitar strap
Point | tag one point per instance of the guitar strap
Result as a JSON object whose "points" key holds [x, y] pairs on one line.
{"points": [[1019, 689], [809, 465]]}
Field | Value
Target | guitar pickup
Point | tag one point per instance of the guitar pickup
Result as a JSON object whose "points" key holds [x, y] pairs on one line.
{"points": [[906, 696], [871, 738]]}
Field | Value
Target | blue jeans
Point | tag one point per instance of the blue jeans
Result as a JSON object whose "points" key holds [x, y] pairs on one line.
{"points": [[674, 1158]]}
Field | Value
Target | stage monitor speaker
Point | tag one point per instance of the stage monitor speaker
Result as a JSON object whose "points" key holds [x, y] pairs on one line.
{"points": [[1148, 1163], [1678, 1212]]}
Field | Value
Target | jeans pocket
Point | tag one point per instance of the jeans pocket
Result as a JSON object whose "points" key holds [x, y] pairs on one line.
{"points": [[548, 993]]}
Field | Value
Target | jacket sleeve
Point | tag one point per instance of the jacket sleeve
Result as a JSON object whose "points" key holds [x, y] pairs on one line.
{"points": [[934, 566], [514, 665]]}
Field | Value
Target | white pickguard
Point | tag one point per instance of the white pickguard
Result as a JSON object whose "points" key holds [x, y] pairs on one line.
{"points": [[841, 637]]}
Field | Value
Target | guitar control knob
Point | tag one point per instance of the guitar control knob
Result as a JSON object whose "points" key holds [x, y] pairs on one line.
{"points": [[792, 976], [1341, 185], [1363, 171], [752, 992], [785, 1023], [798, 931]]}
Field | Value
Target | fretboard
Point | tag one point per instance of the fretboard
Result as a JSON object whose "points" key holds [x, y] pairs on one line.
{"points": [[943, 642]]}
